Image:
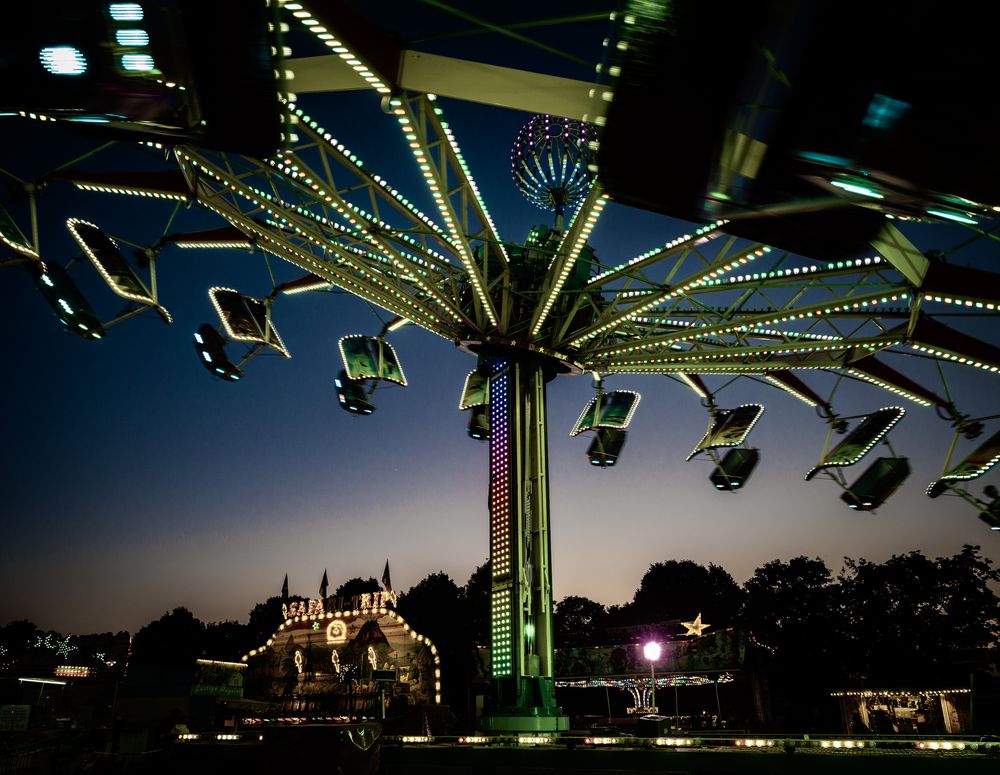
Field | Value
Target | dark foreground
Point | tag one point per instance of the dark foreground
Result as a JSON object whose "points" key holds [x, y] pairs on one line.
{"points": [[360, 749]]}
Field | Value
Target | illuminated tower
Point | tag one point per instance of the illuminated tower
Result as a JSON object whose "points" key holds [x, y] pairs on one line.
{"points": [[521, 591]]}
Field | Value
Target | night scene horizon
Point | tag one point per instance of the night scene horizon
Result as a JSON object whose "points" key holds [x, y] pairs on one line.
{"points": [[134, 482]]}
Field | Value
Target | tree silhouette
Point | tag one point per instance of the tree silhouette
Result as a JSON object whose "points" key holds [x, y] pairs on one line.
{"points": [[578, 621], [173, 640], [357, 586], [477, 604], [794, 609], [910, 617], [680, 589], [264, 620]]}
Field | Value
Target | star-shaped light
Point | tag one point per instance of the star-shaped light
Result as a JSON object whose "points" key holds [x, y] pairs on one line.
{"points": [[315, 625], [695, 627]]}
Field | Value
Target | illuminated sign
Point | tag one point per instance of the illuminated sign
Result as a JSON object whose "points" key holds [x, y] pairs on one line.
{"points": [[302, 608]]}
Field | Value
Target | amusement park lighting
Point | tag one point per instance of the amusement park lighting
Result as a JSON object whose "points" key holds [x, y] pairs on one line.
{"points": [[63, 60], [853, 188], [651, 651], [210, 346], [958, 217], [137, 63], [132, 37], [606, 447], [125, 12], [880, 480], [732, 472], [66, 300], [479, 423], [352, 396]]}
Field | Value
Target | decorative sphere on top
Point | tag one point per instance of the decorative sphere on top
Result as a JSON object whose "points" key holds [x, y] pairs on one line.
{"points": [[549, 161]]}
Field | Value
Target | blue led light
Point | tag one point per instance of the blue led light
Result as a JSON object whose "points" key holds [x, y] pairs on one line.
{"points": [[138, 63], [132, 37], [63, 60], [125, 12]]}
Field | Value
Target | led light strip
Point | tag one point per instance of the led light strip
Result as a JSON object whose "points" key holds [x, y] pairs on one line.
{"points": [[791, 391], [146, 301], [500, 516], [956, 358], [439, 192], [890, 387], [131, 191], [741, 259], [748, 324], [224, 318], [700, 237], [575, 238], [712, 427], [351, 160], [337, 47], [340, 615], [349, 211], [961, 301], [343, 357], [577, 430], [320, 268]]}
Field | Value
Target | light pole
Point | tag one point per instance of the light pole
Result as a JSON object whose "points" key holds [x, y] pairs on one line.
{"points": [[652, 652]]}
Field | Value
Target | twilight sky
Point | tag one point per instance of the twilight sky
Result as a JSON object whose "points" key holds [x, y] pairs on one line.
{"points": [[133, 483]]}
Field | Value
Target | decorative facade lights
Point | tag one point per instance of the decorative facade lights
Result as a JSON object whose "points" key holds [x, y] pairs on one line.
{"points": [[73, 671], [299, 623]]}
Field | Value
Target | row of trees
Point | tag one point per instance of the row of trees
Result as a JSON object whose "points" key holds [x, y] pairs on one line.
{"points": [[909, 620]]}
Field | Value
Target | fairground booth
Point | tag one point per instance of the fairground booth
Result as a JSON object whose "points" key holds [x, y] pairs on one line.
{"points": [[334, 659]]}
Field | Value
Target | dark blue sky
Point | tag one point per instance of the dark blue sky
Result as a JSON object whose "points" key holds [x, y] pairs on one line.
{"points": [[132, 482]]}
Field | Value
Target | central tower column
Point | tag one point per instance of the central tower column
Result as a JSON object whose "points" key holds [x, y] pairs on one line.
{"points": [[521, 597]]}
